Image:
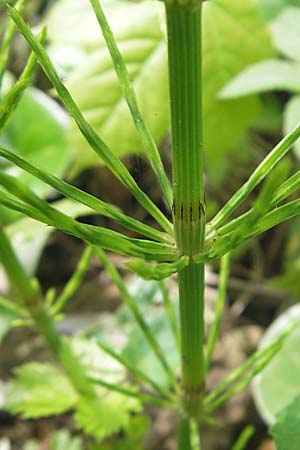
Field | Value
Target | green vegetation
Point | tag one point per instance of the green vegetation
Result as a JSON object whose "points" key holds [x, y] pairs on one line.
{"points": [[116, 94]]}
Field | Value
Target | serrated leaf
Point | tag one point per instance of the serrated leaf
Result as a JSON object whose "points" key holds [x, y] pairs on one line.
{"points": [[227, 23], [278, 384], [286, 431], [42, 140], [39, 390], [291, 119], [263, 77], [286, 33], [108, 412], [134, 438], [106, 416]]}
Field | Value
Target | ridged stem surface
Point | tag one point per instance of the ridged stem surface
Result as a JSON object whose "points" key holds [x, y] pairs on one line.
{"points": [[184, 50]]}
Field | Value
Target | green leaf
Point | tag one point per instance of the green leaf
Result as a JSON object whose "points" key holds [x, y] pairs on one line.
{"points": [[106, 416], [263, 77], [227, 23], [286, 430], [278, 384], [42, 140], [109, 412], [134, 438], [286, 33], [7, 317], [271, 8], [291, 118], [39, 390], [143, 50], [234, 38]]}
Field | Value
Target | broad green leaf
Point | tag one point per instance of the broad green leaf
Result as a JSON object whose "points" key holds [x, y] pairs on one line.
{"points": [[286, 431], [39, 390], [137, 350], [143, 48], [37, 131], [291, 118], [227, 23], [7, 316], [271, 8], [263, 77], [286, 33], [234, 38], [278, 384]]}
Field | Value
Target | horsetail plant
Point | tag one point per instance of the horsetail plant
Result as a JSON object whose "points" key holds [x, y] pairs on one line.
{"points": [[180, 246]]}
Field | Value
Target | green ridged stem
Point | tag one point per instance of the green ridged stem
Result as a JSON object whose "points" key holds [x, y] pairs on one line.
{"points": [[184, 434], [184, 50]]}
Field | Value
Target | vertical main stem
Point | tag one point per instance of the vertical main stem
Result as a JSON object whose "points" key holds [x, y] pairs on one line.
{"points": [[185, 72]]}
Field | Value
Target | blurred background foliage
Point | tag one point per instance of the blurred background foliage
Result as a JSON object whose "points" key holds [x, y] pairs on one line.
{"points": [[251, 71]]}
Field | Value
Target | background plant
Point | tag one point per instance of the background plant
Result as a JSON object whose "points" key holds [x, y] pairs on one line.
{"points": [[187, 258]]}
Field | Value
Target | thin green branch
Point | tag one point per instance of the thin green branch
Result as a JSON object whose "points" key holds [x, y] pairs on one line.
{"points": [[242, 383], [169, 308], [130, 97], [7, 40], [244, 438], [129, 393], [75, 281], [39, 209], [109, 158], [257, 176], [215, 327], [12, 307], [135, 372], [225, 244], [252, 364], [286, 189], [14, 95], [84, 198], [131, 303]]}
